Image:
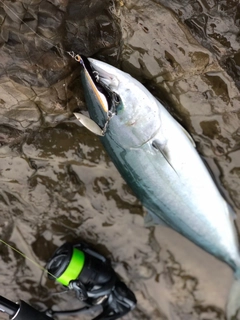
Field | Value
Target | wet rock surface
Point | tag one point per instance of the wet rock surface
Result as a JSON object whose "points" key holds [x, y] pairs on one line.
{"points": [[58, 184]]}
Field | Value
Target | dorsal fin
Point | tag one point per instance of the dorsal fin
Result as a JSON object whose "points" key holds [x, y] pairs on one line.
{"points": [[188, 136]]}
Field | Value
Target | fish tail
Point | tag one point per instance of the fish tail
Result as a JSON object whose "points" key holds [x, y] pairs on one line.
{"points": [[233, 303]]}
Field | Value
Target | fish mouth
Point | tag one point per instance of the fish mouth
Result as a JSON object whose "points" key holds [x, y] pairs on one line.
{"points": [[110, 80], [101, 83]]}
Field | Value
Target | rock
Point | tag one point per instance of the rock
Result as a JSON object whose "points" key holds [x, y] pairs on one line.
{"points": [[34, 38]]}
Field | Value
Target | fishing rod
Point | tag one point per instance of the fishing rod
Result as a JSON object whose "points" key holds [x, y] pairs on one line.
{"points": [[90, 275]]}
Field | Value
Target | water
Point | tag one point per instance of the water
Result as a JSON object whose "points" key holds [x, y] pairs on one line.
{"points": [[58, 184]]}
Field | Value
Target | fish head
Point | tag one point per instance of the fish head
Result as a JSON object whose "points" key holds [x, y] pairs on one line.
{"points": [[134, 111]]}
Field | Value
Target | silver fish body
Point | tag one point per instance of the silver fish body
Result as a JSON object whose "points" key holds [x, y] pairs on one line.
{"points": [[158, 160]]}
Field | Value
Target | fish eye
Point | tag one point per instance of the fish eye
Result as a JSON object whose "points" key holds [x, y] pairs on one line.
{"points": [[96, 75], [116, 98]]}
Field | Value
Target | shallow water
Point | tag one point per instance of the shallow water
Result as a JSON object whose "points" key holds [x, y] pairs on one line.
{"points": [[58, 184]]}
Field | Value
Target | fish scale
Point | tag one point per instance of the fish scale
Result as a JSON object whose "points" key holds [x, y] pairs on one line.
{"points": [[158, 160]]}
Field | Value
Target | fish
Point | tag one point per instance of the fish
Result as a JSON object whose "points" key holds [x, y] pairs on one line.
{"points": [[158, 159]]}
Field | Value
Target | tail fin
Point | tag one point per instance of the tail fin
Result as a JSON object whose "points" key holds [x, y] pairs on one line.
{"points": [[233, 304]]}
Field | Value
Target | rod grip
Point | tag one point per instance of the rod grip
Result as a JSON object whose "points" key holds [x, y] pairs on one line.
{"points": [[8, 306], [26, 312]]}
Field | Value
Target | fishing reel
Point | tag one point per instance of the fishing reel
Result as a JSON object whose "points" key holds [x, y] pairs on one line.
{"points": [[93, 279], [83, 270]]}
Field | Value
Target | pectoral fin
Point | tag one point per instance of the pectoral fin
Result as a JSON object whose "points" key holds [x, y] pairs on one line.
{"points": [[163, 149], [151, 220], [89, 124]]}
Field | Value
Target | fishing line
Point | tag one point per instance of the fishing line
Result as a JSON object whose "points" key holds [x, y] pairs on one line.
{"points": [[76, 58], [73, 56], [64, 51], [27, 258], [30, 28], [71, 53]]}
